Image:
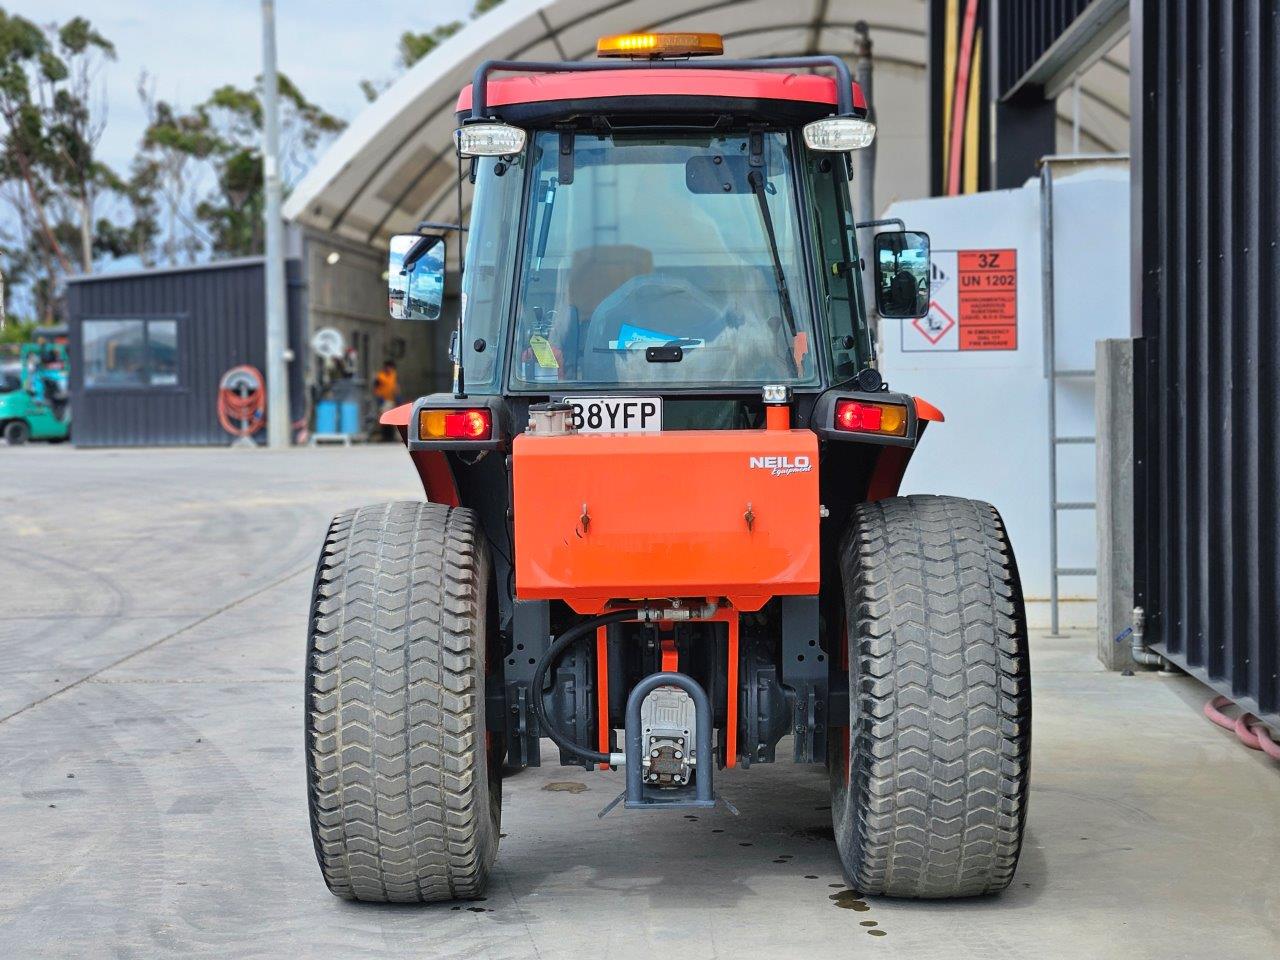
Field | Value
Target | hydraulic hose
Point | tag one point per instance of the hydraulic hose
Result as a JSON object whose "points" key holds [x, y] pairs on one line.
{"points": [[554, 652]]}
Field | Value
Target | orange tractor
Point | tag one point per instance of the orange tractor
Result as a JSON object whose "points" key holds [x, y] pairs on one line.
{"points": [[661, 526]]}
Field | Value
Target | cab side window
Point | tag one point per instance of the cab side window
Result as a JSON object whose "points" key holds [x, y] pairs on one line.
{"points": [[850, 345]]}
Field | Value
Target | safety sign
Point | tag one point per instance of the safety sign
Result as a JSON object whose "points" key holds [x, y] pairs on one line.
{"points": [[974, 303]]}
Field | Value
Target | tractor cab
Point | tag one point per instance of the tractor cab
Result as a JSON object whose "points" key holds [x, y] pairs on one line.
{"points": [[663, 224], [662, 527]]}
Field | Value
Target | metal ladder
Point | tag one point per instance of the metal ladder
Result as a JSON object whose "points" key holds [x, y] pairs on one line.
{"points": [[1052, 376]]}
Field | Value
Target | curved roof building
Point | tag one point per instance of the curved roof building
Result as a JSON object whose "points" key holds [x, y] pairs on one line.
{"points": [[395, 165]]}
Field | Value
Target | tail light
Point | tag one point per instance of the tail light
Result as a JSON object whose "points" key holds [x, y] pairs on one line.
{"points": [[859, 416], [455, 424]]}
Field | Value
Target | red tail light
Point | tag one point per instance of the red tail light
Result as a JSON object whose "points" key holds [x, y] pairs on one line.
{"points": [[455, 425], [856, 416], [468, 425]]}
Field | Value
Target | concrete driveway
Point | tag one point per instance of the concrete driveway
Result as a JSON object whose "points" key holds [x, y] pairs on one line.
{"points": [[152, 618]]}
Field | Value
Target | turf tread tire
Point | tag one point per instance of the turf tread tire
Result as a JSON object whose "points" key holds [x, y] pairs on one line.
{"points": [[404, 802], [935, 801]]}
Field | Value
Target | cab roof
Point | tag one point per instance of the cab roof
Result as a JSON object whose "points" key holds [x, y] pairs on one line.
{"points": [[701, 86]]}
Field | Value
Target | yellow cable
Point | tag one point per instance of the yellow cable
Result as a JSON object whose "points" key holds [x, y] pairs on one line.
{"points": [[949, 42]]}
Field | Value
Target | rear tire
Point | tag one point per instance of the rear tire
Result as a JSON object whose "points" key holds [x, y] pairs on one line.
{"points": [[929, 790], [404, 787], [16, 433]]}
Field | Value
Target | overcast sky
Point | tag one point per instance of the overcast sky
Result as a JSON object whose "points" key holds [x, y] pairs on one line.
{"points": [[192, 46]]}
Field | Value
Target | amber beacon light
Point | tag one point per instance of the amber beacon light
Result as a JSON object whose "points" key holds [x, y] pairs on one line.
{"points": [[660, 46]]}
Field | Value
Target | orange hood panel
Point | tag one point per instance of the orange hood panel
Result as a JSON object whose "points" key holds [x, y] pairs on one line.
{"points": [[715, 513]]}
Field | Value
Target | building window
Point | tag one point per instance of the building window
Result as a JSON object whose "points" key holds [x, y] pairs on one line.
{"points": [[130, 353]]}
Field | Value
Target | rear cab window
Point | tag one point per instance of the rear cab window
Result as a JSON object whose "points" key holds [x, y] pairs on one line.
{"points": [[662, 240]]}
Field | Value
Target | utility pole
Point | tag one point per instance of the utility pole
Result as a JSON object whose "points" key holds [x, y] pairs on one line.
{"points": [[866, 175], [277, 372]]}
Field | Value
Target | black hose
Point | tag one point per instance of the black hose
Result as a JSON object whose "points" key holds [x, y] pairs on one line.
{"points": [[554, 652]]}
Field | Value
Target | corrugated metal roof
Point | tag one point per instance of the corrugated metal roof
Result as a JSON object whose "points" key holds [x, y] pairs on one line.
{"points": [[228, 264]]}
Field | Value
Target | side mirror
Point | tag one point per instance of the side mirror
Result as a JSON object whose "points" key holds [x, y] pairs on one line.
{"points": [[415, 277], [902, 274]]}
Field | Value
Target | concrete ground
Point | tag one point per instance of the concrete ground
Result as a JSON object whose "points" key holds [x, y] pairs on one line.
{"points": [[152, 614]]}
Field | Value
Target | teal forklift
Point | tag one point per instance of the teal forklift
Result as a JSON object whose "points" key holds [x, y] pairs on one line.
{"points": [[34, 402]]}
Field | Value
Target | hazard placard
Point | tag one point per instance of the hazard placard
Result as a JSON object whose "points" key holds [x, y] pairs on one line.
{"points": [[988, 294], [974, 303]]}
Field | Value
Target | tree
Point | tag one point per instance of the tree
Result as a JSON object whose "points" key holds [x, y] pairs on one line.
{"points": [[205, 165], [414, 46], [75, 127], [164, 181], [24, 51], [52, 122], [195, 186], [140, 235]]}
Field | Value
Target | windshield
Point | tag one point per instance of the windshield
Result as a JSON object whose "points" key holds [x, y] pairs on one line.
{"points": [[685, 243]]}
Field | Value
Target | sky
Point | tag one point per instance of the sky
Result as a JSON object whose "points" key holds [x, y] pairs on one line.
{"points": [[192, 46]]}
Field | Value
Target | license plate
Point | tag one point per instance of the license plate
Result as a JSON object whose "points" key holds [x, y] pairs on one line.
{"points": [[616, 414]]}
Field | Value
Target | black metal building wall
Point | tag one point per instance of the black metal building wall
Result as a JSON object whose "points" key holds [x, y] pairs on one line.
{"points": [[1012, 48], [1027, 31], [220, 313], [1206, 118]]}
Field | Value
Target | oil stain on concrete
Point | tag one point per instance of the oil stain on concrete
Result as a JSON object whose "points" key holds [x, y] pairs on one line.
{"points": [[564, 786]]}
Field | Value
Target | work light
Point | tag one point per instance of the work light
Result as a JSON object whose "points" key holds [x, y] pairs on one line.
{"points": [[489, 139], [837, 134]]}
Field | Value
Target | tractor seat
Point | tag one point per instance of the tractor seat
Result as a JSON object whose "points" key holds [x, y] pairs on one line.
{"points": [[595, 273]]}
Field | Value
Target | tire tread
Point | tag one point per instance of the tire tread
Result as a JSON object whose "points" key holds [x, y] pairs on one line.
{"points": [[940, 699], [400, 806]]}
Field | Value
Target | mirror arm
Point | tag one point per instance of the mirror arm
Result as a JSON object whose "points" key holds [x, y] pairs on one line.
{"points": [[888, 222], [426, 225]]}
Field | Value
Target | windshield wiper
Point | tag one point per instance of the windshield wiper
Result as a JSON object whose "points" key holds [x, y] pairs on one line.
{"points": [[756, 179]]}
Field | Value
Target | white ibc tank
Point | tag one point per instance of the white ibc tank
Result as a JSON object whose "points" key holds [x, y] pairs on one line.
{"points": [[980, 357]]}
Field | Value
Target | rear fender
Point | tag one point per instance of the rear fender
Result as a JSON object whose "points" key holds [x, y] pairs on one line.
{"points": [[891, 465], [432, 465]]}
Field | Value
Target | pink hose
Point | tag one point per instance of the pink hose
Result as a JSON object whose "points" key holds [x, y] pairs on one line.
{"points": [[1248, 728], [1269, 746]]}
